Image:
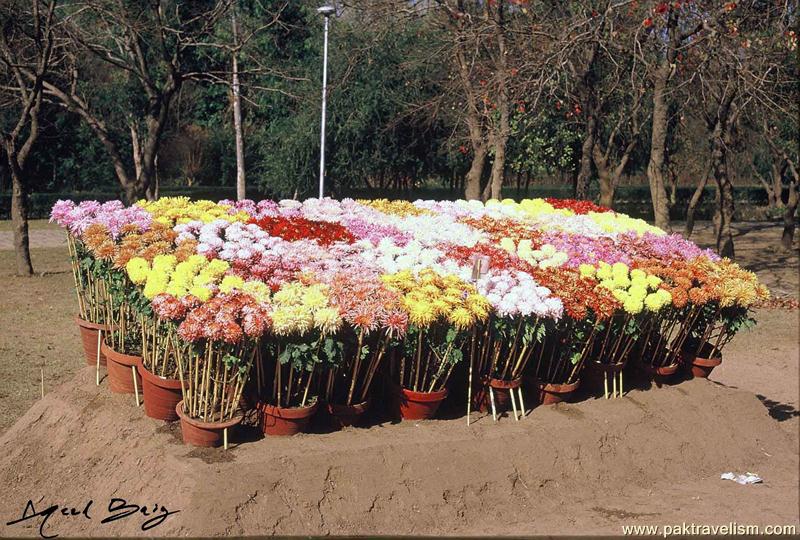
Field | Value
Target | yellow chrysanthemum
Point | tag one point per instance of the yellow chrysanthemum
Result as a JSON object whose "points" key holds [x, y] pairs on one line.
{"points": [[137, 269], [202, 293], [327, 320], [229, 283], [587, 270], [461, 318], [633, 306]]}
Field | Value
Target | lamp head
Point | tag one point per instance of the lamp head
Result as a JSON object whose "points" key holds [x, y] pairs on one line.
{"points": [[326, 11]]}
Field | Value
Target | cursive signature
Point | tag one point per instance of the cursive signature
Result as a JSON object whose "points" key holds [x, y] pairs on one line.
{"points": [[117, 509]]}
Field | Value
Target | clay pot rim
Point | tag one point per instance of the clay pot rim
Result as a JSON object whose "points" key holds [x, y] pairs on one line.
{"points": [[502, 384], [90, 325], [421, 397], [128, 360], [171, 384], [288, 412], [207, 425], [359, 408], [663, 370], [564, 388], [599, 366], [706, 362]]}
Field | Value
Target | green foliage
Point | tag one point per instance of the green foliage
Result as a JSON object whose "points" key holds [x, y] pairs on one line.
{"points": [[541, 144], [307, 354]]}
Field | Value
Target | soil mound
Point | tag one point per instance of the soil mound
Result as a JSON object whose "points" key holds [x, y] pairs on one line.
{"points": [[651, 457]]}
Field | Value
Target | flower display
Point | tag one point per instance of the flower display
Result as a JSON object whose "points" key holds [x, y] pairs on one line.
{"points": [[173, 210], [578, 207], [338, 286]]}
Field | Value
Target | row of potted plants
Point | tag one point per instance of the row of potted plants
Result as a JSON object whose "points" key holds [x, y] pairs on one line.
{"points": [[210, 389], [290, 308]]}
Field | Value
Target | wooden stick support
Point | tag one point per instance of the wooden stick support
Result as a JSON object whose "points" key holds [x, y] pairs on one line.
{"points": [[521, 402], [97, 365], [614, 386], [469, 390], [605, 385], [135, 385], [620, 384], [225, 438], [513, 403], [491, 398]]}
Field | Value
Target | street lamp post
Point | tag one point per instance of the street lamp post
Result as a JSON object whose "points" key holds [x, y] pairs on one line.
{"points": [[325, 11]]}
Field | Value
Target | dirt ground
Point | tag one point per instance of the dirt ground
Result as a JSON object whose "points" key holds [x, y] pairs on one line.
{"points": [[651, 457]]}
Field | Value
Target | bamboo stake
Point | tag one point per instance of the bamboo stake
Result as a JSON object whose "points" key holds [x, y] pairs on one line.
{"points": [[605, 385], [374, 366], [614, 385], [443, 382], [521, 401], [308, 385], [491, 398], [206, 382], [620, 384], [215, 378], [278, 378], [225, 438], [290, 369], [185, 391], [469, 382], [136, 385], [356, 366], [419, 358], [587, 345], [513, 403], [97, 364], [225, 387]]}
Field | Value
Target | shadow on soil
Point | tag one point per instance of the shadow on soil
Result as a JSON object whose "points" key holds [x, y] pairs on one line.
{"points": [[777, 410]]}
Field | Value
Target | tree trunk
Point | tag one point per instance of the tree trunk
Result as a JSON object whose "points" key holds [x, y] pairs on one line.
{"points": [[604, 176], [472, 185], [724, 213], [725, 236], [19, 219], [498, 170], [655, 167], [585, 170], [789, 217], [499, 163], [237, 119], [777, 184], [693, 202]]}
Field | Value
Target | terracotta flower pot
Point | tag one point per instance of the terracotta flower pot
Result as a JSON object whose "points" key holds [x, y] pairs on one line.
{"points": [[120, 374], [89, 336], [549, 394], [199, 433], [595, 372], [282, 421], [410, 405], [701, 365], [660, 375], [160, 395], [501, 390], [342, 416]]}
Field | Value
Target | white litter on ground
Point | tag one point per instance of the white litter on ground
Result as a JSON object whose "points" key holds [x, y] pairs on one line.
{"points": [[744, 479]]}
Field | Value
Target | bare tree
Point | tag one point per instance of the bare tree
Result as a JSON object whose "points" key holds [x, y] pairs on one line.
{"points": [[237, 111], [788, 165], [28, 44], [147, 46], [741, 70], [496, 54]]}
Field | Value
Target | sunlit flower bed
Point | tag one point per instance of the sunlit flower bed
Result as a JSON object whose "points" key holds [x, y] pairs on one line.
{"points": [[311, 300]]}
